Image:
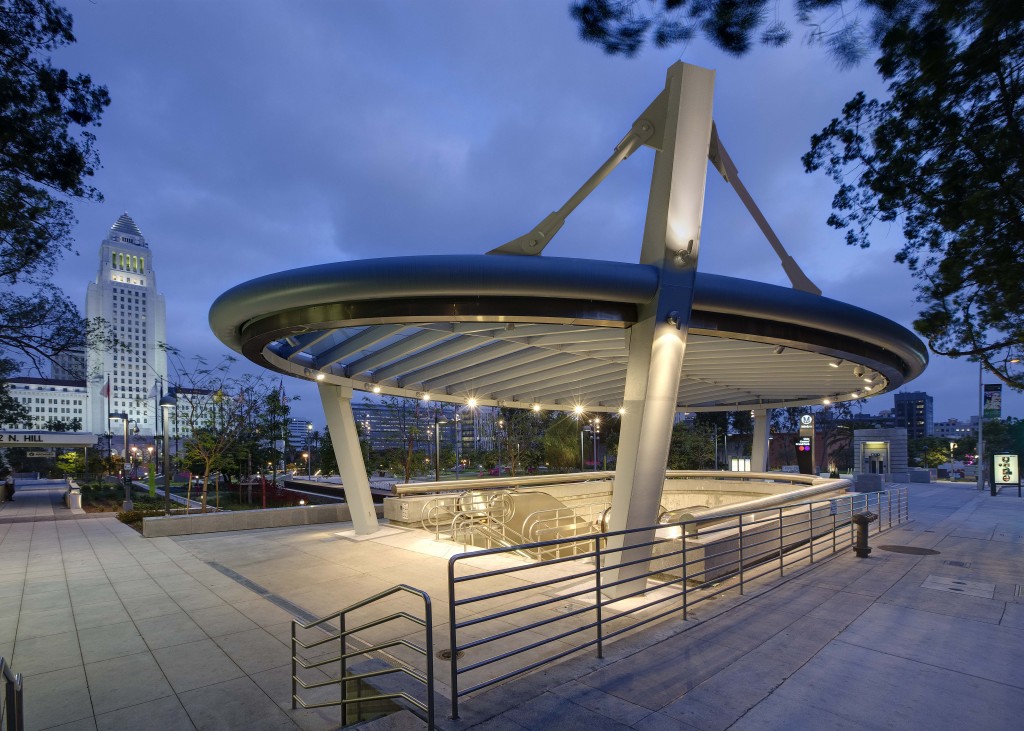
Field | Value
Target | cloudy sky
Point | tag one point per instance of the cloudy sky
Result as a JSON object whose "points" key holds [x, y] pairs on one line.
{"points": [[248, 137]]}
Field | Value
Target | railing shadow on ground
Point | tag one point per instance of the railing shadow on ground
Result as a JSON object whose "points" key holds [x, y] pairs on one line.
{"points": [[501, 629]]}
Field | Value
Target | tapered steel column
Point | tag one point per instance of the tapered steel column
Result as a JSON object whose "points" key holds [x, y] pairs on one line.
{"points": [[337, 403], [657, 343], [759, 448]]}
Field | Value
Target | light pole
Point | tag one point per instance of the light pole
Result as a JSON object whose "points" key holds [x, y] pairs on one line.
{"points": [[309, 451], [127, 505], [594, 432], [166, 404], [437, 446], [981, 424], [952, 474], [458, 444]]}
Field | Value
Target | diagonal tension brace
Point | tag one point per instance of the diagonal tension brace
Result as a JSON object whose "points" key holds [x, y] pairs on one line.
{"points": [[643, 130]]}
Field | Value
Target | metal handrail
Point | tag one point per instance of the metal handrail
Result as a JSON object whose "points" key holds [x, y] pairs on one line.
{"points": [[690, 562], [13, 711], [342, 635]]}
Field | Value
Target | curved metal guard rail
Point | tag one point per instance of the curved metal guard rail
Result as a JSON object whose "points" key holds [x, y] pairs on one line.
{"points": [[13, 712], [691, 562], [342, 635], [503, 483]]}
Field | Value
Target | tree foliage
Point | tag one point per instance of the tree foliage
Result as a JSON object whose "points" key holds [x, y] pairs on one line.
{"points": [[220, 414], [846, 29], [943, 155], [47, 155]]}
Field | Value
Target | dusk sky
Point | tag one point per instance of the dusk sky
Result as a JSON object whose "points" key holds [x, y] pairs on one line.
{"points": [[246, 138]]}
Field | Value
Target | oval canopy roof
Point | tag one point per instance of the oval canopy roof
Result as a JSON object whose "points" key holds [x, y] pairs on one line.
{"points": [[519, 331]]}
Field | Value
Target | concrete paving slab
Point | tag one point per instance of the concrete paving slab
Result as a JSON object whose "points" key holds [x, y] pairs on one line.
{"points": [[162, 714], [903, 693], [239, 704], [195, 665], [166, 630], [254, 650], [57, 697], [978, 649], [37, 655], [109, 641], [125, 681]]}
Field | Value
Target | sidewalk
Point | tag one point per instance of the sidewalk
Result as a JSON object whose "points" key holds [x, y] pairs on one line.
{"points": [[114, 631]]}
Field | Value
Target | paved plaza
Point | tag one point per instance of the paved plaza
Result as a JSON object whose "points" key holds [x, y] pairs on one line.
{"points": [[115, 631]]}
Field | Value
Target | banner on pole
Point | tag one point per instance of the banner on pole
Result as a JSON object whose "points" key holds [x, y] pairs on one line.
{"points": [[992, 401]]}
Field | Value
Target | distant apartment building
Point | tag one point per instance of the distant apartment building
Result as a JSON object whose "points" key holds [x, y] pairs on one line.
{"points": [[46, 399], [299, 432], [914, 413], [954, 428], [391, 426]]}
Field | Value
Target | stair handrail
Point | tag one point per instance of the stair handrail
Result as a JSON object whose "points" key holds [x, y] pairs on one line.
{"points": [[343, 657]]}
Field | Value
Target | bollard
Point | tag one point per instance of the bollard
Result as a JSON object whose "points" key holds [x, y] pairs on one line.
{"points": [[860, 541]]}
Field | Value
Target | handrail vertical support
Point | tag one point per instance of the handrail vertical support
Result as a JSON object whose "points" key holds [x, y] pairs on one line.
{"points": [[295, 689], [597, 598], [451, 641], [343, 665], [741, 554], [810, 519], [782, 554], [686, 588]]}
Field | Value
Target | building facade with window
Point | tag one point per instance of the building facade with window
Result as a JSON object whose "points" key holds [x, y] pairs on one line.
{"points": [[914, 413], [124, 379], [48, 399]]}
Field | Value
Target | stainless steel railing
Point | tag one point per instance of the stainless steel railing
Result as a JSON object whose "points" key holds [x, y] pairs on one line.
{"points": [[13, 711], [543, 611], [345, 635]]}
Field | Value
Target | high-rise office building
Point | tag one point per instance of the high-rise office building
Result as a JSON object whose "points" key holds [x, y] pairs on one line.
{"points": [[914, 413], [122, 378], [68, 365]]}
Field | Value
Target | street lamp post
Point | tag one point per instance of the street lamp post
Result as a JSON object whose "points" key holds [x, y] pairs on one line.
{"points": [[595, 431], [981, 424], [437, 446], [458, 444], [127, 505], [309, 452], [166, 404], [952, 474]]}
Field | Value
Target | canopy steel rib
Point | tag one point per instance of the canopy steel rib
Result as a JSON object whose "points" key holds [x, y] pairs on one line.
{"points": [[421, 339], [358, 342], [459, 345]]}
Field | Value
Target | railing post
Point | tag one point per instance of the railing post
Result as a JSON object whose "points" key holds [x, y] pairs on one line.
{"points": [[782, 556], [451, 640], [597, 597], [343, 663], [810, 520], [428, 618], [295, 688], [741, 555], [686, 590]]}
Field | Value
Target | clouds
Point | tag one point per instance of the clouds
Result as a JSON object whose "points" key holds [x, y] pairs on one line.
{"points": [[249, 137]]}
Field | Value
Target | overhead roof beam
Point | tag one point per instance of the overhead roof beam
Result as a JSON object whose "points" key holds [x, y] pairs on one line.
{"points": [[421, 339], [468, 377], [538, 383], [305, 340], [360, 341], [459, 345]]}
